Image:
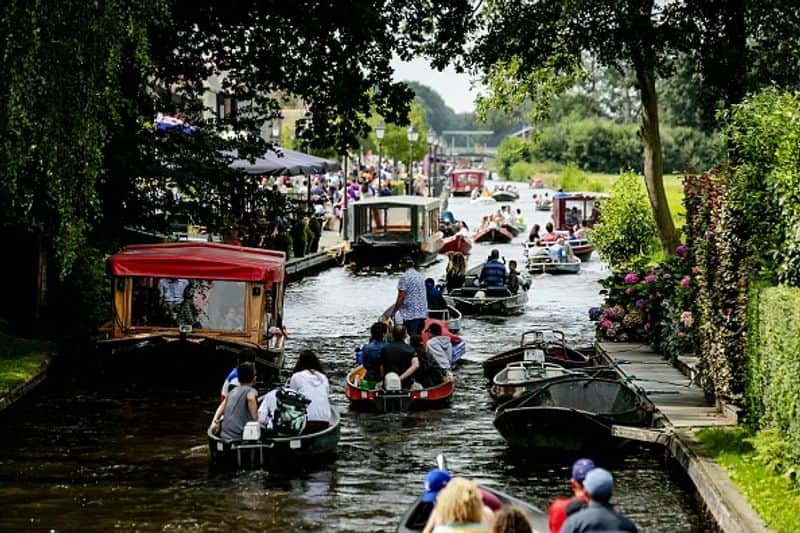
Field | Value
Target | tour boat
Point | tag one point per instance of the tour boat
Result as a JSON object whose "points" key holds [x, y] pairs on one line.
{"points": [[570, 209], [416, 516], [465, 180], [556, 351], [473, 299], [276, 451], [572, 415], [384, 229], [386, 401], [456, 243], [493, 235], [196, 306]]}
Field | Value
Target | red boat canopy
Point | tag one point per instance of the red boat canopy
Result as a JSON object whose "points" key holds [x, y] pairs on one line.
{"points": [[199, 261]]}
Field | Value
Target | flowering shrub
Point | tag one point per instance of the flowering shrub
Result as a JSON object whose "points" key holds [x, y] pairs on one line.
{"points": [[653, 305]]}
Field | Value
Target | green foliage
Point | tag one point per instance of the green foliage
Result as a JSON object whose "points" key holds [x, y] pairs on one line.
{"points": [[626, 230], [775, 498], [522, 171], [512, 150], [773, 368], [20, 359]]}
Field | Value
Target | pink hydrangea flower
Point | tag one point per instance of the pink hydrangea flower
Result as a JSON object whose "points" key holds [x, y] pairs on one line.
{"points": [[629, 291], [666, 275], [605, 324], [687, 319], [682, 250], [631, 278], [686, 281], [650, 278]]}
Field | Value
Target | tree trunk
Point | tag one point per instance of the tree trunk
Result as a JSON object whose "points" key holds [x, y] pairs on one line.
{"points": [[653, 157]]}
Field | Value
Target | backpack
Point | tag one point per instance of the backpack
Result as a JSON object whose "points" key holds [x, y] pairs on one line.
{"points": [[290, 413]]}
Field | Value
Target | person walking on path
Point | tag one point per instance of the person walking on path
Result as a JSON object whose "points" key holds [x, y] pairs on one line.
{"points": [[599, 515], [412, 300]]}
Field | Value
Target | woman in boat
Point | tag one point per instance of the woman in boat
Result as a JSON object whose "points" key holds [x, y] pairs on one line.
{"points": [[549, 234], [371, 355], [511, 519], [456, 271], [309, 380], [239, 407], [459, 507], [533, 236]]}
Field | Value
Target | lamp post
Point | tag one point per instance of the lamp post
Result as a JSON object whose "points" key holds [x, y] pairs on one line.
{"points": [[431, 138], [380, 131], [435, 172], [412, 136]]}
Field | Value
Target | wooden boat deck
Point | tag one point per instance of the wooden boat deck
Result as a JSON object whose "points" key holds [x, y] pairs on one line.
{"points": [[680, 402]]}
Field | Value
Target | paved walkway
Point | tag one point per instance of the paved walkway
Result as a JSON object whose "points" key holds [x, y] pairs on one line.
{"points": [[681, 403]]}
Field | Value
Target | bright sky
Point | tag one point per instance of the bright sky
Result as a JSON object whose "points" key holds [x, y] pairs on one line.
{"points": [[455, 88]]}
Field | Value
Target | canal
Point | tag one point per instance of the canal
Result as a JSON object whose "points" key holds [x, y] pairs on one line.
{"points": [[72, 458]]}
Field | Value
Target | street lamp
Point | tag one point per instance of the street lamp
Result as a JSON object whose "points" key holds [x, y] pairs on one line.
{"points": [[380, 131], [412, 137], [431, 138]]}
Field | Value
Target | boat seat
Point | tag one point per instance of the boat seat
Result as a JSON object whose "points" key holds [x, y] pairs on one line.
{"points": [[516, 373], [497, 291]]}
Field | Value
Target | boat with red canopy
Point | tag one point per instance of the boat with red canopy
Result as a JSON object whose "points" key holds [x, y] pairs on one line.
{"points": [[226, 300], [465, 180], [573, 208]]}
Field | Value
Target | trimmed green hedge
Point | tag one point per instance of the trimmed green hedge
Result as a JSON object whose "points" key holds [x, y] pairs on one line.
{"points": [[773, 359]]}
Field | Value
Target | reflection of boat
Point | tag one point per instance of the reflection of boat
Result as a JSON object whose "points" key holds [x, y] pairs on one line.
{"points": [[571, 415], [275, 451], [194, 297], [392, 401], [456, 243], [525, 376], [544, 264], [451, 316], [556, 351], [493, 235], [384, 229], [505, 196], [465, 180], [471, 298]]}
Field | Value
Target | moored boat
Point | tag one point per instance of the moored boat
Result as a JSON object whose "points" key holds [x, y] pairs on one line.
{"points": [[275, 451], [571, 415], [522, 377], [493, 235], [456, 243], [384, 229], [387, 401], [473, 299], [556, 351]]}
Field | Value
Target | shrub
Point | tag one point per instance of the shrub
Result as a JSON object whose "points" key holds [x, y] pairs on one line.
{"points": [[626, 232], [512, 150], [522, 171]]}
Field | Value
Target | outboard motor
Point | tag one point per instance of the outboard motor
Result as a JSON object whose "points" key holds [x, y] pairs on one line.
{"points": [[391, 382]]}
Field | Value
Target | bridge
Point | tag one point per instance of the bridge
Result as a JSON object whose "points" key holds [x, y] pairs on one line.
{"points": [[468, 142]]}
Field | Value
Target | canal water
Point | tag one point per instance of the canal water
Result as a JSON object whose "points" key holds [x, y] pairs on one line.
{"points": [[74, 459]]}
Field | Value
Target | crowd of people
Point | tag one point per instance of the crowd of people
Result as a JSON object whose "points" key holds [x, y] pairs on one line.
{"points": [[502, 217], [459, 504]]}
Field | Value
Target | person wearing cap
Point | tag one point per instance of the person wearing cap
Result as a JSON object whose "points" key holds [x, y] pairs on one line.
{"points": [[412, 299], [562, 507], [599, 515]]}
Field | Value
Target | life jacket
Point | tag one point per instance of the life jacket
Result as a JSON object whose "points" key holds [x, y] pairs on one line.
{"points": [[290, 412]]}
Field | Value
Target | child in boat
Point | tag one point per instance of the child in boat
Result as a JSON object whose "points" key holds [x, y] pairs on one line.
{"points": [[439, 348], [513, 277]]}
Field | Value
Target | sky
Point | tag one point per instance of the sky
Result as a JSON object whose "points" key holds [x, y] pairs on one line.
{"points": [[454, 88]]}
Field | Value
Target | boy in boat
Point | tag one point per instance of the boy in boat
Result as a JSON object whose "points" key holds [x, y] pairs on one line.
{"points": [[563, 507], [439, 348], [513, 277], [239, 407], [599, 514]]}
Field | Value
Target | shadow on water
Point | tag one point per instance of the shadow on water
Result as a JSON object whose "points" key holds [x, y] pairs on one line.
{"points": [[76, 456]]}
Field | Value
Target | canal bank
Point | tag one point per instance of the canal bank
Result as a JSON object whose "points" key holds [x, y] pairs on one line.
{"points": [[24, 364], [681, 408]]}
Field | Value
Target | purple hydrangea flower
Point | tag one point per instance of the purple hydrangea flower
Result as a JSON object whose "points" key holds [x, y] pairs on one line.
{"points": [[594, 313], [682, 250], [639, 303], [647, 327]]}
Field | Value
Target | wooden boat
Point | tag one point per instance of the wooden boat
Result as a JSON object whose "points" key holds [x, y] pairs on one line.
{"points": [[384, 229], [475, 300], [465, 180], [203, 306], [456, 243], [556, 351], [493, 235], [571, 415], [544, 264], [382, 401], [416, 516], [505, 196], [523, 377], [451, 316], [276, 451]]}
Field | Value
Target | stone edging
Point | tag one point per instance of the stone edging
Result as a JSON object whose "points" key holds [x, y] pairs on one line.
{"points": [[24, 388]]}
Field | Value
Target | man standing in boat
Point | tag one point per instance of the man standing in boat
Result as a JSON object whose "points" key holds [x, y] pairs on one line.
{"points": [[493, 273], [412, 300]]}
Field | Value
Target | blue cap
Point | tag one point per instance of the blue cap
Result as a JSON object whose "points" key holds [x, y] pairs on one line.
{"points": [[599, 483], [580, 468], [435, 481]]}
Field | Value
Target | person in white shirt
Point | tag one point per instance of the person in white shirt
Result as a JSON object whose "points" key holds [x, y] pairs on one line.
{"points": [[309, 380], [266, 411]]}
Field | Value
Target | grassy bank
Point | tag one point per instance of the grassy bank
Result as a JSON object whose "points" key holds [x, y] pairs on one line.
{"points": [[20, 359], [775, 498]]}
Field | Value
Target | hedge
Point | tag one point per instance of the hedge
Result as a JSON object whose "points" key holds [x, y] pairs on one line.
{"points": [[773, 363]]}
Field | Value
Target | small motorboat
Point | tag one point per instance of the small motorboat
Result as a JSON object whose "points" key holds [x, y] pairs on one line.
{"points": [[493, 235], [505, 196], [481, 199], [544, 264], [473, 299], [556, 351], [416, 516], [572, 415], [388, 401], [450, 316], [459, 344], [543, 204], [274, 451], [526, 376], [456, 243]]}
